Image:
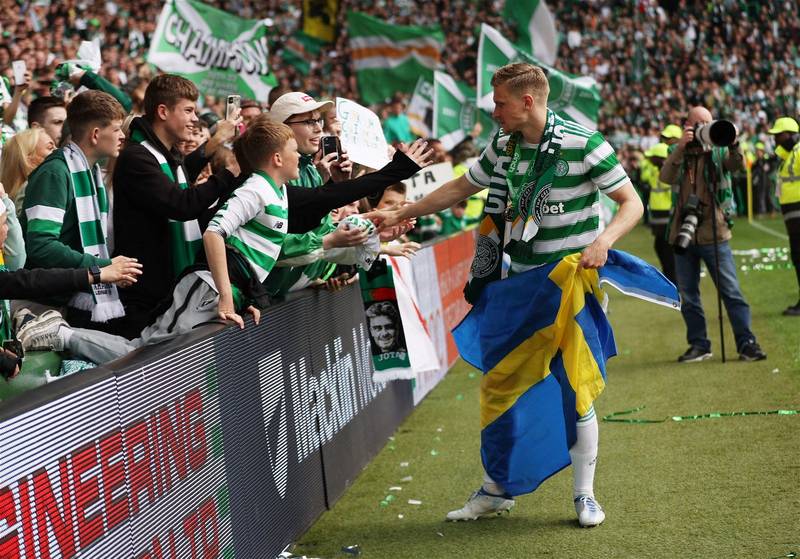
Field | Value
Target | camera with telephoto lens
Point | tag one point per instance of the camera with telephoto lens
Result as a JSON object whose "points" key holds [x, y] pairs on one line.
{"points": [[721, 133], [692, 214]]}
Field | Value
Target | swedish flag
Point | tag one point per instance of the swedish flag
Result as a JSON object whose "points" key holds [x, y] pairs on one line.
{"points": [[542, 340]]}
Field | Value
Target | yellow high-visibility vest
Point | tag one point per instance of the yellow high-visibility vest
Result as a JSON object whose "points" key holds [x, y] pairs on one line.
{"points": [[660, 192], [789, 176]]}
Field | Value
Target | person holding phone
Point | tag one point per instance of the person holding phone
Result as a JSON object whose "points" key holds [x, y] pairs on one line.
{"points": [[153, 198], [22, 79], [308, 257]]}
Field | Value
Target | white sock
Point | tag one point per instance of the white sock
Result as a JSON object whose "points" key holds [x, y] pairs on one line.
{"points": [[491, 487], [584, 455]]}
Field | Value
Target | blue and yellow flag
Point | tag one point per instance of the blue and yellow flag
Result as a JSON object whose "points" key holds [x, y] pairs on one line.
{"points": [[542, 340]]}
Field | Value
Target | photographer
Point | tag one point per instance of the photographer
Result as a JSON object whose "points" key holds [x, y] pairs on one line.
{"points": [[696, 170]]}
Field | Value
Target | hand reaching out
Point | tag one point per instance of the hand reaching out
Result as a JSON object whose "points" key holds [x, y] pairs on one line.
{"points": [[397, 231], [403, 249], [418, 152], [122, 271]]}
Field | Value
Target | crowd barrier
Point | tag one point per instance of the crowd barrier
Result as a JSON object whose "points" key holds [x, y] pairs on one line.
{"points": [[226, 443]]}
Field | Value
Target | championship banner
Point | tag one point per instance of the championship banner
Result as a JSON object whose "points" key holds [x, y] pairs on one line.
{"points": [[389, 58], [319, 19], [420, 108], [217, 51], [387, 338], [572, 97], [455, 113], [362, 134], [427, 180]]}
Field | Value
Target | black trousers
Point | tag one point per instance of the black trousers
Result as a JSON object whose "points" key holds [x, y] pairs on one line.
{"points": [[791, 217], [659, 225]]}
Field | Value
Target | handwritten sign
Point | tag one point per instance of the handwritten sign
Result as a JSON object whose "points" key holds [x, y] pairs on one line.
{"points": [[362, 134], [428, 180]]}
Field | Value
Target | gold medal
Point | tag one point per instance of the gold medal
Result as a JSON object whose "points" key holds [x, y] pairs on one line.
{"points": [[508, 213]]}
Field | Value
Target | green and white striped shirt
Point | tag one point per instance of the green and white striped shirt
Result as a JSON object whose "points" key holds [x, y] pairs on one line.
{"points": [[254, 221], [586, 166]]}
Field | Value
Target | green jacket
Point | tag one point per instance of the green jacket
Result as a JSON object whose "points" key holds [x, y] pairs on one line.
{"points": [[48, 244]]}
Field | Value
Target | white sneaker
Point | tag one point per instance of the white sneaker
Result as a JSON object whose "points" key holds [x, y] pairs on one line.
{"points": [[479, 505], [22, 317], [42, 333], [589, 511]]}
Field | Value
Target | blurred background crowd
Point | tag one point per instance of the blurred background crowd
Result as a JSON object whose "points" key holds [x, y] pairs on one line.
{"points": [[651, 59]]}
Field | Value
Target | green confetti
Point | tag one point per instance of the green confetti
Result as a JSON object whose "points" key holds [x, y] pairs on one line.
{"points": [[614, 417], [434, 452], [472, 375], [459, 396]]}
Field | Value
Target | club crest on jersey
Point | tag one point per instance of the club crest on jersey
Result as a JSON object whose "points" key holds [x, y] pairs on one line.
{"points": [[562, 167], [487, 257]]}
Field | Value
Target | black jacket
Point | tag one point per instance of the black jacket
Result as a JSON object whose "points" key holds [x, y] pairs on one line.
{"points": [[145, 199], [35, 284], [307, 206]]}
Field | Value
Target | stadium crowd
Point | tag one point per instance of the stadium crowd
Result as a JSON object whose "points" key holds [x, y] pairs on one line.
{"points": [[651, 61]]}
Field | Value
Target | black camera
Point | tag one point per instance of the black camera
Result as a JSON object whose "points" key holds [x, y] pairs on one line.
{"points": [[721, 133], [692, 215]]}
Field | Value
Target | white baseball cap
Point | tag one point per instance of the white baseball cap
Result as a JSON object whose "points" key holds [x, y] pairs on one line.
{"points": [[295, 103]]}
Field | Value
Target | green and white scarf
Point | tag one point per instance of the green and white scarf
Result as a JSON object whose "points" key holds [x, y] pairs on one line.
{"points": [[513, 214], [91, 205], [185, 236]]}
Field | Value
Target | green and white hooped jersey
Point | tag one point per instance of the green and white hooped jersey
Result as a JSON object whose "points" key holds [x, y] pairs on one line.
{"points": [[586, 166], [254, 220]]}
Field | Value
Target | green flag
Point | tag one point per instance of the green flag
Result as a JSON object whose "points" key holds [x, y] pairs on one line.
{"points": [[572, 97], [219, 52], [455, 113], [536, 28], [298, 51], [420, 108], [390, 58]]}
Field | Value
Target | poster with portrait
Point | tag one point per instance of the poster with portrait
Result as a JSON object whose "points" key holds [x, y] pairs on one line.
{"points": [[385, 327]]}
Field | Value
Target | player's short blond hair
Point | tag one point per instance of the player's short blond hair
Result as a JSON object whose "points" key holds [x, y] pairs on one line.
{"points": [[522, 77]]}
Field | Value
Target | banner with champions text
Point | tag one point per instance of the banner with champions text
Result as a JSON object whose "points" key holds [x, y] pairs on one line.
{"points": [[218, 51]]}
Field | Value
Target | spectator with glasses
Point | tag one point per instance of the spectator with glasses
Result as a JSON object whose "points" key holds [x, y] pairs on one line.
{"points": [[299, 262]]}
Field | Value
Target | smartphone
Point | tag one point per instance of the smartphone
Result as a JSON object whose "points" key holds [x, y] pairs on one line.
{"points": [[19, 68], [331, 144], [232, 105]]}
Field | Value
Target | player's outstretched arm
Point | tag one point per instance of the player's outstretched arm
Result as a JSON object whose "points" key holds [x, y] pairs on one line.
{"points": [[442, 198]]}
